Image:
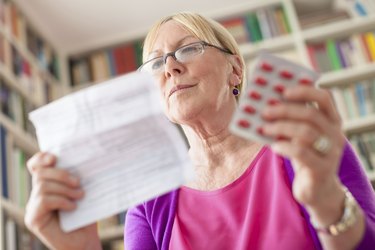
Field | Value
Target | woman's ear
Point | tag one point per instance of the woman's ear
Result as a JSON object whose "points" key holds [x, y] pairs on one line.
{"points": [[236, 69]]}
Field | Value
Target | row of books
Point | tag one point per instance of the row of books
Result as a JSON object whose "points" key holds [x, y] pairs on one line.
{"points": [[335, 54], [15, 24], [364, 145], [114, 245], [18, 238], [16, 181], [361, 7], [16, 108], [259, 25], [25, 74], [355, 100], [105, 64], [317, 18]]}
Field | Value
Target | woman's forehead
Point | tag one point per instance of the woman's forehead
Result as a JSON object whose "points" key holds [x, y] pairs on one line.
{"points": [[171, 33]]}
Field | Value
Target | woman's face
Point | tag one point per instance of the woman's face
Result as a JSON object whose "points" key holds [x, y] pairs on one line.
{"points": [[200, 86]]}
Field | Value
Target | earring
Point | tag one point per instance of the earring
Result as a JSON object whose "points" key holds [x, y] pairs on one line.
{"points": [[236, 91]]}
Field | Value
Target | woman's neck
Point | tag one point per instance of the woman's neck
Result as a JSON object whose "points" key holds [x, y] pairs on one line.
{"points": [[218, 156]]}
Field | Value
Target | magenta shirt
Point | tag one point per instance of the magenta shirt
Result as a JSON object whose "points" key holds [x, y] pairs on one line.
{"points": [[256, 211], [148, 226]]}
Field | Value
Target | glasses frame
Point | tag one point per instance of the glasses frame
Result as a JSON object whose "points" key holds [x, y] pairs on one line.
{"points": [[173, 53]]}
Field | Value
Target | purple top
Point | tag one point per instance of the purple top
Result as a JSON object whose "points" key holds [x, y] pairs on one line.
{"points": [[149, 225]]}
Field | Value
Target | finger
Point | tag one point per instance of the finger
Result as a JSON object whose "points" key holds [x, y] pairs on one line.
{"points": [[306, 155], [54, 188], [310, 94], [40, 160], [56, 175], [298, 132], [298, 112], [54, 202]]}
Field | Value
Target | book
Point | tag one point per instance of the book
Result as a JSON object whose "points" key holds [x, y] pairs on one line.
{"points": [[237, 27], [370, 41], [333, 54], [3, 156], [341, 106], [255, 34]]}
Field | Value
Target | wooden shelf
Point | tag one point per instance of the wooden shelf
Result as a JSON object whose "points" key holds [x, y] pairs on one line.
{"points": [[13, 211], [339, 29], [347, 76], [111, 233], [358, 125], [22, 139]]}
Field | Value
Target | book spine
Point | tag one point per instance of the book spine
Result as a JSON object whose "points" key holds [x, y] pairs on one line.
{"points": [[370, 41], [333, 55]]}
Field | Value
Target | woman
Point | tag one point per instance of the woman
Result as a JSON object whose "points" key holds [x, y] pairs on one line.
{"points": [[245, 195]]}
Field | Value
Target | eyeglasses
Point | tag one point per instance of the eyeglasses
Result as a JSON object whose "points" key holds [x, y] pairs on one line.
{"points": [[183, 54]]}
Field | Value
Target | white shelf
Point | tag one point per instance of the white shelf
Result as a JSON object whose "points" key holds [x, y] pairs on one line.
{"points": [[347, 76], [275, 44], [360, 124], [371, 176], [339, 29], [13, 211], [22, 139]]}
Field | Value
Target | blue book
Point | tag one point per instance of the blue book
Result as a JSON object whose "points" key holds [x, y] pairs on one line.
{"points": [[360, 9], [3, 156], [361, 99]]}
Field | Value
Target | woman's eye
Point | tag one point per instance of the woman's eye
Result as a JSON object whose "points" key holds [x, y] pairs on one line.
{"points": [[157, 64], [190, 50]]}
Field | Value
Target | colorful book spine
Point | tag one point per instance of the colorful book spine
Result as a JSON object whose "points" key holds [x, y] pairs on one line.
{"points": [[370, 41], [333, 55]]}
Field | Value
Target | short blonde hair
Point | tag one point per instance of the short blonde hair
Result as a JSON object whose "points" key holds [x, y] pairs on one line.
{"points": [[201, 27]]}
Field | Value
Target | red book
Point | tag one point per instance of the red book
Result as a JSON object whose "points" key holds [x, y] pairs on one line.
{"points": [[119, 60], [311, 53], [129, 58]]}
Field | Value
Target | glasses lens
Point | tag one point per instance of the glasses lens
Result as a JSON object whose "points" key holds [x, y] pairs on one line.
{"points": [[153, 66], [188, 52]]}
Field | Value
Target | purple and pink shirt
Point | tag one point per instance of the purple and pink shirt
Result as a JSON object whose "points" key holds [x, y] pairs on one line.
{"points": [[256, 211]]}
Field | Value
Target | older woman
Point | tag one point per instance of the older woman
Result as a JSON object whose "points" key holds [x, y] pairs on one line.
{"points": [[245, 195]]}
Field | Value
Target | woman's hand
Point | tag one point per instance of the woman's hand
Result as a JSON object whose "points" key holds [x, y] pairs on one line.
{"points": [[298, 126], [316, 185], [55, 189]]}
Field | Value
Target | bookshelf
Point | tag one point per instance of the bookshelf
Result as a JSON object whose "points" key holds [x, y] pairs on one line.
{"points": [[29, 78], [291, 33]]}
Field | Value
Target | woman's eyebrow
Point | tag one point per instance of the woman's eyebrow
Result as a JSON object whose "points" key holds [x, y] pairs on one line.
{"points": [[178, 44]]}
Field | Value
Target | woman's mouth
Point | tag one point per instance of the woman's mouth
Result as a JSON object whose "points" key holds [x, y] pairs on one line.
{"points": [[179, 87]]}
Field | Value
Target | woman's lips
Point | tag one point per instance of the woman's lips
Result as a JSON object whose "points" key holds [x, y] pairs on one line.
{"points": [[179, 87]]}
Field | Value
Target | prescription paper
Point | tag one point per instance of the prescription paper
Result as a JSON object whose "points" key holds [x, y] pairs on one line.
{"points": [[115, 137]]}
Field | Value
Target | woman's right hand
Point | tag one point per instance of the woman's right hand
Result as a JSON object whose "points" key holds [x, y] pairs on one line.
{"points": [[55, 189]]}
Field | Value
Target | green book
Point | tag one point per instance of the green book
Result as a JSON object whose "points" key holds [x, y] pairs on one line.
{"points": [[253, 26], [138, 52], [286, 20], [333, 55]]}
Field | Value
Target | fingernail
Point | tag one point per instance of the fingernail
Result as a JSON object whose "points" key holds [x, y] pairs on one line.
{"points": [[74, 179], [47, 159]]}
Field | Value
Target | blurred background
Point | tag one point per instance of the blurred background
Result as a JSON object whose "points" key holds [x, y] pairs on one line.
{"points": [[49, 49]]}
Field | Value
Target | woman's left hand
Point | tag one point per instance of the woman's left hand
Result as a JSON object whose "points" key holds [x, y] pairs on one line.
{"points": [[311, 137]]}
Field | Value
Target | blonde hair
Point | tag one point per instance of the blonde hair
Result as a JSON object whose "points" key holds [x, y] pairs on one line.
{"points": [[201, 27]]}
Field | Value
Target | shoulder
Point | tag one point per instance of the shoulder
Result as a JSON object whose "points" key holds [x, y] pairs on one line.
{"points": [[151, 222]]}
